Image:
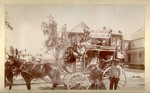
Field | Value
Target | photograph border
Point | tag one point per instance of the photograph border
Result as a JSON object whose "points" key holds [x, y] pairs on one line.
{"points": [[80, 2]]}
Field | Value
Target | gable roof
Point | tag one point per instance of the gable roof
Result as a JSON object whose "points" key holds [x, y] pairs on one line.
{"points": [[79, 28], [138, 34]]}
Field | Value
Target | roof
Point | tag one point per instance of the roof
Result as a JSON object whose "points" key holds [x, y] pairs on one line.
{"points": [[138, 34], [102, 48], [79, 28], [135, 50]]}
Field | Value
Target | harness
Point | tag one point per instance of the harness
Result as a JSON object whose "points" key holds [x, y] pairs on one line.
{"points": [[30, 73], [19, 69]]}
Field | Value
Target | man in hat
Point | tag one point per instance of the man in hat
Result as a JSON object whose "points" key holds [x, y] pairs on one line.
{"points": [[94, 61], [93, 68], [69, 60], [115, 72]]}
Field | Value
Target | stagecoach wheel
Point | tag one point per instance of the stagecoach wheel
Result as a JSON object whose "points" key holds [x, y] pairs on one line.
{"points": [[65, 79], [106, 78], [121, 83], [78, 81]]}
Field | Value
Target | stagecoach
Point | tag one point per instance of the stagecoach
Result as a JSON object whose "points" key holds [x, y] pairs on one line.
{"points": [[80, 79]]}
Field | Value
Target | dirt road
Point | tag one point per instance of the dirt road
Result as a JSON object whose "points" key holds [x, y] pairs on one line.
{"points": [[135, 80]]}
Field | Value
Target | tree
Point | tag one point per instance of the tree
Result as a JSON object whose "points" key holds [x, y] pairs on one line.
{"points": [[52, 41], [64, 39], [7, 23]]}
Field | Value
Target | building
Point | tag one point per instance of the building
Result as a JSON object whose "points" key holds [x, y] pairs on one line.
{"points": [[135, 51], [25, 55], [74, 34], [109, 39], [125, 46]]}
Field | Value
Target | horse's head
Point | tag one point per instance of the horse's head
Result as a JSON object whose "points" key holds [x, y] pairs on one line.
{"points": [[13, 61], [13, 65], [10, 60]]}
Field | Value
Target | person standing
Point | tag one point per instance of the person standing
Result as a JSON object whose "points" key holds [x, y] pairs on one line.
{"points": [[115, 72], [93, 67]]}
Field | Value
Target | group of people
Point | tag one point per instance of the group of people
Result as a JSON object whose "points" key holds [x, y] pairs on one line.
{"points": [[114, 70], [71, 54], [94, 65]]}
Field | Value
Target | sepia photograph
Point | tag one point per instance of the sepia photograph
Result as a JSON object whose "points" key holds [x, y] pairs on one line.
{"points": [[74, 47]]}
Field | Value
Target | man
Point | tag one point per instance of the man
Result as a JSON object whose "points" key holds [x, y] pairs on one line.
{"points": [[93, 68], [99, 43], [105, 62], [80, 49], [94, 62], [69, 60], [115, 72]]}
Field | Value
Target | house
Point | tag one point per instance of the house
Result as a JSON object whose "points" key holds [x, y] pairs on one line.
{"points": [[74, 34], [25, 55], [109, 39], [135, 51], [107, 35]]}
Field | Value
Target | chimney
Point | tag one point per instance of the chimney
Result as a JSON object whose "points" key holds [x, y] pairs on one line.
{"points": [[119, 31], [110, 31], [65, 25], [104, 28]]}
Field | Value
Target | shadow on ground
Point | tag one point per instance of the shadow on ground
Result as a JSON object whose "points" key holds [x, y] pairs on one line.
{"points": [[50, 88]]}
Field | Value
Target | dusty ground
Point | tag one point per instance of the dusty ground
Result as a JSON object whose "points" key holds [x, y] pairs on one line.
{"points": [[135, 81]]}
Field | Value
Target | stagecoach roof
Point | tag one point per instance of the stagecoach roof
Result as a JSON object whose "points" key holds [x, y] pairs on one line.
{"points": [[102, 48], [104, 35]]}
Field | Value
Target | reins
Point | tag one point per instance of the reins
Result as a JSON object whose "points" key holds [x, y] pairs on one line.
{"points": [[29, 73]]}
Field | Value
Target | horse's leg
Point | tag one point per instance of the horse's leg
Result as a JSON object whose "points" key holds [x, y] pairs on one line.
{"points": [[10, 80], [28, 83], [27, 79], [53, 81], [10, 86], [58, 77], [52, 73], [55, 78]]}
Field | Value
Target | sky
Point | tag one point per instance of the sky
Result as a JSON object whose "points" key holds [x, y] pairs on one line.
{"points": [[26, 21]]}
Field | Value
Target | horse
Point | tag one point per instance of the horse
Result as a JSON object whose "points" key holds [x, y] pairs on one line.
{"points": [[30, 70], [8, 75], [10, 71]]}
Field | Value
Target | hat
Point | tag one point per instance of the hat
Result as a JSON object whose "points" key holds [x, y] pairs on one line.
{"points": [[87, 31]]}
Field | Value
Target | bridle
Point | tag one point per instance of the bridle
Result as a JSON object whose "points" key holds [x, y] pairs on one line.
{"points": [[13, 66]]}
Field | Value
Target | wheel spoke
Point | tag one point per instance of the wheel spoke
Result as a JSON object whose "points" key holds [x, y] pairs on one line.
{"points": [[121, 84], [78, 81]]}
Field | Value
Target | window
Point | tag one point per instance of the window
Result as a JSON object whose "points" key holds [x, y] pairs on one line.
{"points": [[133, 44], [129, 57], [114, 41], [140, 54]]}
